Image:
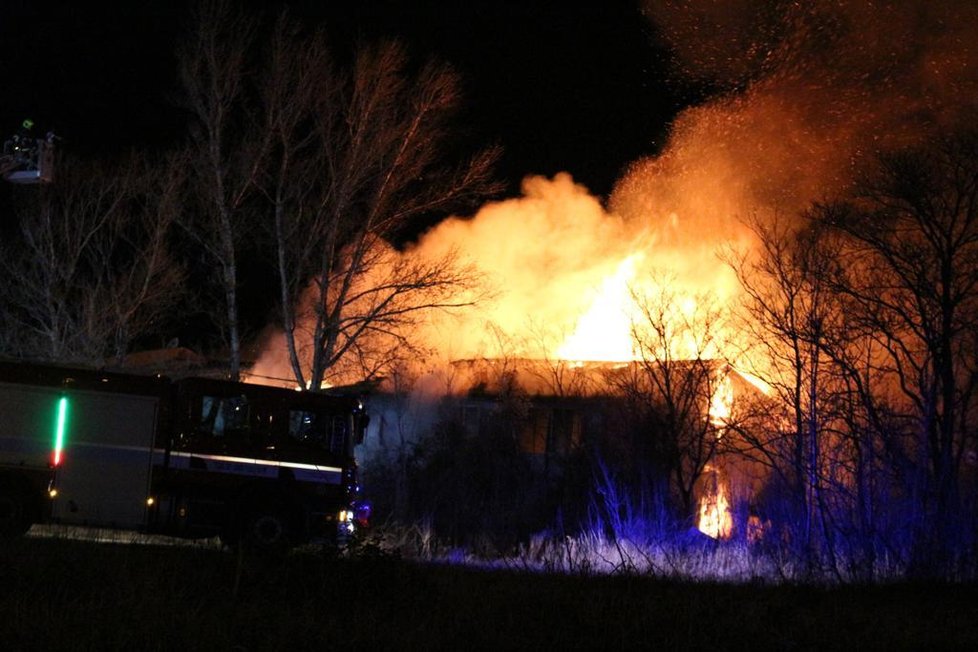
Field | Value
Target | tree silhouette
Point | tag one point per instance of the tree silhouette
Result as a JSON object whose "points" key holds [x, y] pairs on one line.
{"points": [[911, 276], [91, 268], [335, 161]]}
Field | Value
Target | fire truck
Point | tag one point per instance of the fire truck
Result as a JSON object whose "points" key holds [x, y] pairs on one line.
{"points": [[258, 466]]}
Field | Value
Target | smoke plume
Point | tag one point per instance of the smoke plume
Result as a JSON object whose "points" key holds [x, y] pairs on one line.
{"points": [[805, 94]]}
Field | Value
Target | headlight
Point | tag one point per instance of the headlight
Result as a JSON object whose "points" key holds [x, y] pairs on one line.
{"points": [[345, 523]]}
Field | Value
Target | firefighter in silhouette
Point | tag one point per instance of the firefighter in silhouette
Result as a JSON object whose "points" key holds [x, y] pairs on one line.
{"points": [[26, 158], [22, 146]]}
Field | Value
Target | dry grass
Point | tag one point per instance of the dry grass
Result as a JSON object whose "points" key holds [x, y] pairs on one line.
{"points": [[685, 557]]}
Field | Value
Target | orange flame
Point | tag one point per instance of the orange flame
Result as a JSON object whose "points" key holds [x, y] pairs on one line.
{"points": [[603, 333], [721, 403], [715, 520]]}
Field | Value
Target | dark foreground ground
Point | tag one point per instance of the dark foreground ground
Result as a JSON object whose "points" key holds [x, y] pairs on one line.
{"points": [[75, 595]]}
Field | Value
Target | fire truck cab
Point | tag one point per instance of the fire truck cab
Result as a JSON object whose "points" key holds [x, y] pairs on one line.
{"points": [[196, 457]]}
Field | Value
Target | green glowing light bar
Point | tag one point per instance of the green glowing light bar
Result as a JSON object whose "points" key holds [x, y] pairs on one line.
{"points": [[59, 430]]}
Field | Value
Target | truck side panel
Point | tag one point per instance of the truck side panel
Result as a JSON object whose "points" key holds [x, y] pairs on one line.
{"points": [[104, 477], [28, 416]]}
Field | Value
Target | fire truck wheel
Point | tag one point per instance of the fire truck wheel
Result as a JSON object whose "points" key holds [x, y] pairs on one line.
{"points": [[13, 512], [268, 530]]}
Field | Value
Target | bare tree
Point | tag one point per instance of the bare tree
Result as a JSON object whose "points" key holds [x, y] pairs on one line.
{"points": [[866, 315], [912, 277], [228, 147], [804, 346], [671, 388], [359, 154], [336, 161], [91, 269]]}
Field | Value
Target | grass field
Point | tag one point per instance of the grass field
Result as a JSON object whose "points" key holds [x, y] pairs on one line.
{"points": [[58, 594]]}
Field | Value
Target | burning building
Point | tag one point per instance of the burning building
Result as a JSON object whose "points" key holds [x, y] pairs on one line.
{"points": [[671, 431], [640, 284]]}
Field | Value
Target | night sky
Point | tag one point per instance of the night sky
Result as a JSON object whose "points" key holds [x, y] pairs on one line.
{"points": [[562, 88]]}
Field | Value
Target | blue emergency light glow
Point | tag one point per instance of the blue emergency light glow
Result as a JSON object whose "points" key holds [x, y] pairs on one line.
{"points": [[59, 430]]}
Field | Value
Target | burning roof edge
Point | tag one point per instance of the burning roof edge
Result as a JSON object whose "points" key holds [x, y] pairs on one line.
{"points": [[543, 377]]}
